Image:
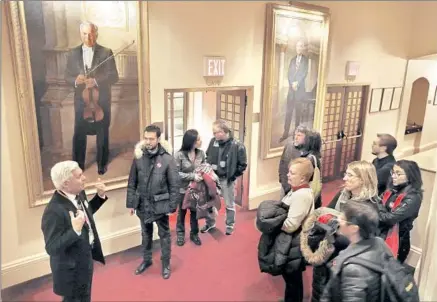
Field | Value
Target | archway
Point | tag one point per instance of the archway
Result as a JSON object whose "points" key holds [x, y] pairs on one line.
{"points": [[416, 114]]}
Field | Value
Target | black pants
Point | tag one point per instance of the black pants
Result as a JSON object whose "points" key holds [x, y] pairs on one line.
{"points": [[404, 246], [180, 224], [101, 131], [294, 102], [293, 287], [147, 237], [83, 298]]}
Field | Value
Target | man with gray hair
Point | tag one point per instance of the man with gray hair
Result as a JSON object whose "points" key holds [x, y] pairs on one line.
{"points": [[228, 158], [70, 233], [80, 75]]}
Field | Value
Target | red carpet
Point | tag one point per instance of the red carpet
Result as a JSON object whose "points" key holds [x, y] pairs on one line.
{"points": [[224, 268]]}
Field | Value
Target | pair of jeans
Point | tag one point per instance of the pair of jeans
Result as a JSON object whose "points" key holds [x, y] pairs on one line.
{"points": [[147, 237], [180, 224], [229, 197]]}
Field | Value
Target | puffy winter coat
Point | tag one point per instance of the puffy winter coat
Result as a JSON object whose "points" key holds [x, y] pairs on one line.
{"points": [[278, 251], [320, 243]]}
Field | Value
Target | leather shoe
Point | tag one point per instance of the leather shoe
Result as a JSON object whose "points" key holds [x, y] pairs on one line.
{"points": [[166, 272], [195, 238], [142, 267], [180, 241], [103, 170]]}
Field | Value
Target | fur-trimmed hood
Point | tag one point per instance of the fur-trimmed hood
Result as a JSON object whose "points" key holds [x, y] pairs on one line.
{"points": [[325, 245], [139, 148]]}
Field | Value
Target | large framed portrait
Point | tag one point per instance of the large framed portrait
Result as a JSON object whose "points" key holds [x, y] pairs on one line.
{"points": [[81, 92], [295, 53]]}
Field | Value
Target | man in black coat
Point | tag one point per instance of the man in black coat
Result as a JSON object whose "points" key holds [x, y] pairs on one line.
{"points": [[80, 59], [70, 233], [153, 193]]}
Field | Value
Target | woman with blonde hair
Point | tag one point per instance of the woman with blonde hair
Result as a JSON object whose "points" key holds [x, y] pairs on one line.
{"points": [[360, 185]]}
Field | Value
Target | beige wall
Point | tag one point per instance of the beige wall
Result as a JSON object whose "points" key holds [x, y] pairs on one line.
{"points": [[181, 33], [369, 32], [428, 139]]}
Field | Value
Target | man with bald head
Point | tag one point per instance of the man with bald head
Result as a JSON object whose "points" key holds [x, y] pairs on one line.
{"points": [[297, 73], [81, 60]]}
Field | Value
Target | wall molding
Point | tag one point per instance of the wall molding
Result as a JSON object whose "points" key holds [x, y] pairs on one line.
{"points": [[414, 256], [410, 150], [270, 193], [35, 266]]}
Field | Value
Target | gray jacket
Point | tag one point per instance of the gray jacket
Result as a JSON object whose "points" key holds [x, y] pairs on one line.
{"points": [[186, 167]]}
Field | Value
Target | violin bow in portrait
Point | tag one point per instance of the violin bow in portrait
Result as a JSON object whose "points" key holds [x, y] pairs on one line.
{"points": [[110, 57]]}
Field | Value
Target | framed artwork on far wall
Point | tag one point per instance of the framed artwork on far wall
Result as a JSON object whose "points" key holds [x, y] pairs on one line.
{"points": [[397, 98], [55, 52], [295, 53], [387, 97], [375, 100]]}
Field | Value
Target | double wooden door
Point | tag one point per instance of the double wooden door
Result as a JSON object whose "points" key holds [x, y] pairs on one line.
{"points": [[342, 133], [231, 106]]}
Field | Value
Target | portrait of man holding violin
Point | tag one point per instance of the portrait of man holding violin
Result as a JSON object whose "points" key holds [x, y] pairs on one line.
{"points": [[91, 70]]}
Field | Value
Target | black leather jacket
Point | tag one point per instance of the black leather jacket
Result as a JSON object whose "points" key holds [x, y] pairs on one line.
{"points": [[353, 282], [404, 214]]}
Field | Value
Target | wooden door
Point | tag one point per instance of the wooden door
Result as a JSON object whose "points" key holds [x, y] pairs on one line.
{"points": [[231, 106], [343, 124]]}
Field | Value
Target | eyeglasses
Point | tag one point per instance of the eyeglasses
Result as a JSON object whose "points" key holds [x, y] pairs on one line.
{"points": [[348, 175], [397, 174]]}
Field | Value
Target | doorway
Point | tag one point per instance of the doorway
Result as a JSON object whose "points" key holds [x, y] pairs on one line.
{"points": [[343, 124], [198, 109], [416, 115]]}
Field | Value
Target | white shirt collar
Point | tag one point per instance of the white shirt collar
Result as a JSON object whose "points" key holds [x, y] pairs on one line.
{"points": [[87, 48]]}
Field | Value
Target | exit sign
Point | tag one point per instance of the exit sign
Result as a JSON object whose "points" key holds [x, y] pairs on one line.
{"points": [[214, 66]]}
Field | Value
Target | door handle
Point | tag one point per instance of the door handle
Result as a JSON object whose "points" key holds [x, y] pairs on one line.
{"points": [[332, 141], [359, 134]]}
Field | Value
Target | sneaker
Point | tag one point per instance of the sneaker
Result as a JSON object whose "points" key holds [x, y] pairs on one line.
{"points": [[229, 230], [206, 228]]}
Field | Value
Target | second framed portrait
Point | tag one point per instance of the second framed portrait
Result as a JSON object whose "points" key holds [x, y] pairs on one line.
{"points": [[295, 53]]}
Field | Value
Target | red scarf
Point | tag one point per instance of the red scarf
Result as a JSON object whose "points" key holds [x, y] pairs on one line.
{"points": [[392, 239]]}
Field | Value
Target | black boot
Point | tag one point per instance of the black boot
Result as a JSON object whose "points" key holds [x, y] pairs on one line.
{"points": [[195, 238], [166, 272], [143, 266]]}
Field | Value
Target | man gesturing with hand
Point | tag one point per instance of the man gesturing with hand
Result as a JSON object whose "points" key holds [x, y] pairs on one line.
{"points": [[70, 234]]}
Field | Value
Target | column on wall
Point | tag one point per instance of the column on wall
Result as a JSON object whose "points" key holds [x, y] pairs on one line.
{"points": [[427, 275]]}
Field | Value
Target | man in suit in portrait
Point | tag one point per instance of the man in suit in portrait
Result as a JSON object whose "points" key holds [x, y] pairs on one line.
{"points": [[70, 233], [297, 72], [81, 59]]}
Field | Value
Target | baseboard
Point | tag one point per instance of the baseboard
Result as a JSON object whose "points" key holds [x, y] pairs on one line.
{"points": [[271, 193], [35, 266], [414, 256]]}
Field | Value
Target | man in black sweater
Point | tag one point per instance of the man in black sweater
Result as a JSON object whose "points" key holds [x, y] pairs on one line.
{"points": [[383, 147]]}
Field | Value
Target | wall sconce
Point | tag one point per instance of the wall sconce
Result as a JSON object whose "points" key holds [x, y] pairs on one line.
{"points": [[352, 69], [213, 70]]}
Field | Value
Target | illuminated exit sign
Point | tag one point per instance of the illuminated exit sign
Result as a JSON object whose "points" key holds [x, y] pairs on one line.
{"points": [[214, 66]]}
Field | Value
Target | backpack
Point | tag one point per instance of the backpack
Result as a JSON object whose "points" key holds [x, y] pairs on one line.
{"points": [[397, 284], [316, 183]]}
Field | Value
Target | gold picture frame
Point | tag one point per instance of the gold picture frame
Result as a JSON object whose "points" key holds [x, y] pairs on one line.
{"points": [[301, 32], [21, 57]]}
